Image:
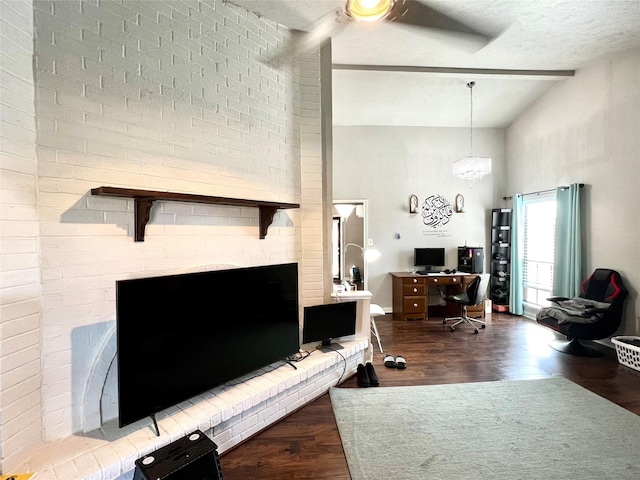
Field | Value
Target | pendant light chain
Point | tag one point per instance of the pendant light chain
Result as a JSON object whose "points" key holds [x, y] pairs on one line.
{"points": [[471, 85]]}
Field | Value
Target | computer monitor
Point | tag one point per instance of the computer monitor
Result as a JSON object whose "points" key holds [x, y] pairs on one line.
{"points": [[323, 323], [428, 258]]}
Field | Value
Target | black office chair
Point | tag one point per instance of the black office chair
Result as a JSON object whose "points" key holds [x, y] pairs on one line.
{"points": [[595, 314], [474, 296]]}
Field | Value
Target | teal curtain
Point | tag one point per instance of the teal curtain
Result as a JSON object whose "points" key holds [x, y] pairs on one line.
{"points": [[517, 257], [567, 268]]}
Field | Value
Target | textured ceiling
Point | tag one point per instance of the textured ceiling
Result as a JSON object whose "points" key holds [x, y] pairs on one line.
{"points": [[525, 35]]}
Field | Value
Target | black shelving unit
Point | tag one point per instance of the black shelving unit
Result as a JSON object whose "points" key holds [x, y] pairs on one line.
{"points": [[500, 258]]}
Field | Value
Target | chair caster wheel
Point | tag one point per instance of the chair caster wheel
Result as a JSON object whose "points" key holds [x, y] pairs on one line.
{"points": [[475, 331], [483, 326], [453, 329], [444, 322]]}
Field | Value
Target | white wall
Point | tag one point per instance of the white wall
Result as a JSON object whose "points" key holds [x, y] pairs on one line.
{"points": [[159, 95], [385, 165], [587, 129]]}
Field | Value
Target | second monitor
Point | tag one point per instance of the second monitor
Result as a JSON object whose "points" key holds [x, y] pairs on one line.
{"points": [[323, 323]]}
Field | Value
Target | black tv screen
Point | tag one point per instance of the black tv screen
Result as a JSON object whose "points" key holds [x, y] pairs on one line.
{"points": [[428, 257], [181, 335], [325, 322]]}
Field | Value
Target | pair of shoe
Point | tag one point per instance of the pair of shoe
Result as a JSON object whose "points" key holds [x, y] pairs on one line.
{"points": [[397, 362], [366, 376]]}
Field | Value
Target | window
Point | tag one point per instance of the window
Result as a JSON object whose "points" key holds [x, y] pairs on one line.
{"points": [[539, 247]]}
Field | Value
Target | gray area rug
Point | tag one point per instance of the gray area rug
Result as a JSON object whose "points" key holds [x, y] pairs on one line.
{"points": [[549, 429]]}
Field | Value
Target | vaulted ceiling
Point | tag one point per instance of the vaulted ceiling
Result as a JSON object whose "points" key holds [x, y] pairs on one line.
{"points": [[389, 73]]}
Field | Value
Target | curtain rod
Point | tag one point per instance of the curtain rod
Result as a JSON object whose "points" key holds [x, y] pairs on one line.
{"points": [[581, 185]]}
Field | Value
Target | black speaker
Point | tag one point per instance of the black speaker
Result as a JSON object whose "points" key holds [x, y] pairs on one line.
{"points": [[194, 457], [477, 260]]}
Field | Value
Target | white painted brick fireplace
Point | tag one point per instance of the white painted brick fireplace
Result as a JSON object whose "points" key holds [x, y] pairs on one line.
{"points": [[161, 95], [228, 414]]}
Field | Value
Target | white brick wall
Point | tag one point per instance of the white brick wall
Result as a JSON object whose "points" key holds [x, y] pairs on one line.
{"points": [[164, 95], [312, 173], [20, 329], [158, 95]]}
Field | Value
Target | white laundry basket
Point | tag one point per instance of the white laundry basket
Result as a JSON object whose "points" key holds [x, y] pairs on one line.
{"points": [[628, 355]]}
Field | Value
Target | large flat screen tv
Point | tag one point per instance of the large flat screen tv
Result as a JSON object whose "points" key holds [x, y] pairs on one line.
{"points": [[181, 335], [323, 323]]}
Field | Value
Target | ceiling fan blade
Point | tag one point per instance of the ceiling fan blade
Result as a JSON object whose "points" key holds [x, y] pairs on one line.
{"points": [[412, 12], [312, 36]]}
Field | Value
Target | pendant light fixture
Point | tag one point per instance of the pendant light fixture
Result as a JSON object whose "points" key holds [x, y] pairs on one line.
{"points": [[471, 168]]}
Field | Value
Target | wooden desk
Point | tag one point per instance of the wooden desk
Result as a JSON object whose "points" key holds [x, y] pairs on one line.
{"points": [[411, 294]]}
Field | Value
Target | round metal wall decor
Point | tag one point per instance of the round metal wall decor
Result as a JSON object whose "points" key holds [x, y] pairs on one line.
{"points": [[436, 211]]}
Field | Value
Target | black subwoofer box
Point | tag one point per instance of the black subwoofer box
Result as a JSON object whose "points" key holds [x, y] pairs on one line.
{"points": [[193, 457]]}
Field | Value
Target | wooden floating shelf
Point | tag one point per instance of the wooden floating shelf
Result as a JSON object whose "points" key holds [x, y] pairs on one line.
{"points": [[143, 201]]}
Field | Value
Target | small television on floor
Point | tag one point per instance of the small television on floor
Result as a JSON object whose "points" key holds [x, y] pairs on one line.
{"points": [[323, 323], [427, 259]]}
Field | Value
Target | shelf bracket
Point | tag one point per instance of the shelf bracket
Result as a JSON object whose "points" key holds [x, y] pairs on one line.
{"points": [[265, 216], [142, 216]]}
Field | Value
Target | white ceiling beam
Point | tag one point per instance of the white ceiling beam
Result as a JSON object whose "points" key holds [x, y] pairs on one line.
{"points": [[489, 72]]}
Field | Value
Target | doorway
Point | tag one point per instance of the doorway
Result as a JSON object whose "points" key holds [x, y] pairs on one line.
{"points": [[349, 234]]}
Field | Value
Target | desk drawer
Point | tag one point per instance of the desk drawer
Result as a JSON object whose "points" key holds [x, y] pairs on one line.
{"points": [[414, 304], [411, 317], [443, 281], [414, 289]]}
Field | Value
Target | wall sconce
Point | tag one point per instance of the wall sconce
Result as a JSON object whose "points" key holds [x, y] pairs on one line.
{"points": [[413, 204]]}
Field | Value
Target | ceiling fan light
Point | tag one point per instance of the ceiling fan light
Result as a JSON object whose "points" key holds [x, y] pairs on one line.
{"points": [[368, 10]]}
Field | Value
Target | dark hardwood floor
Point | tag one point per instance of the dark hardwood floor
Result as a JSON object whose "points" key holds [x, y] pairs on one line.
{"points": [[306, 444]]}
